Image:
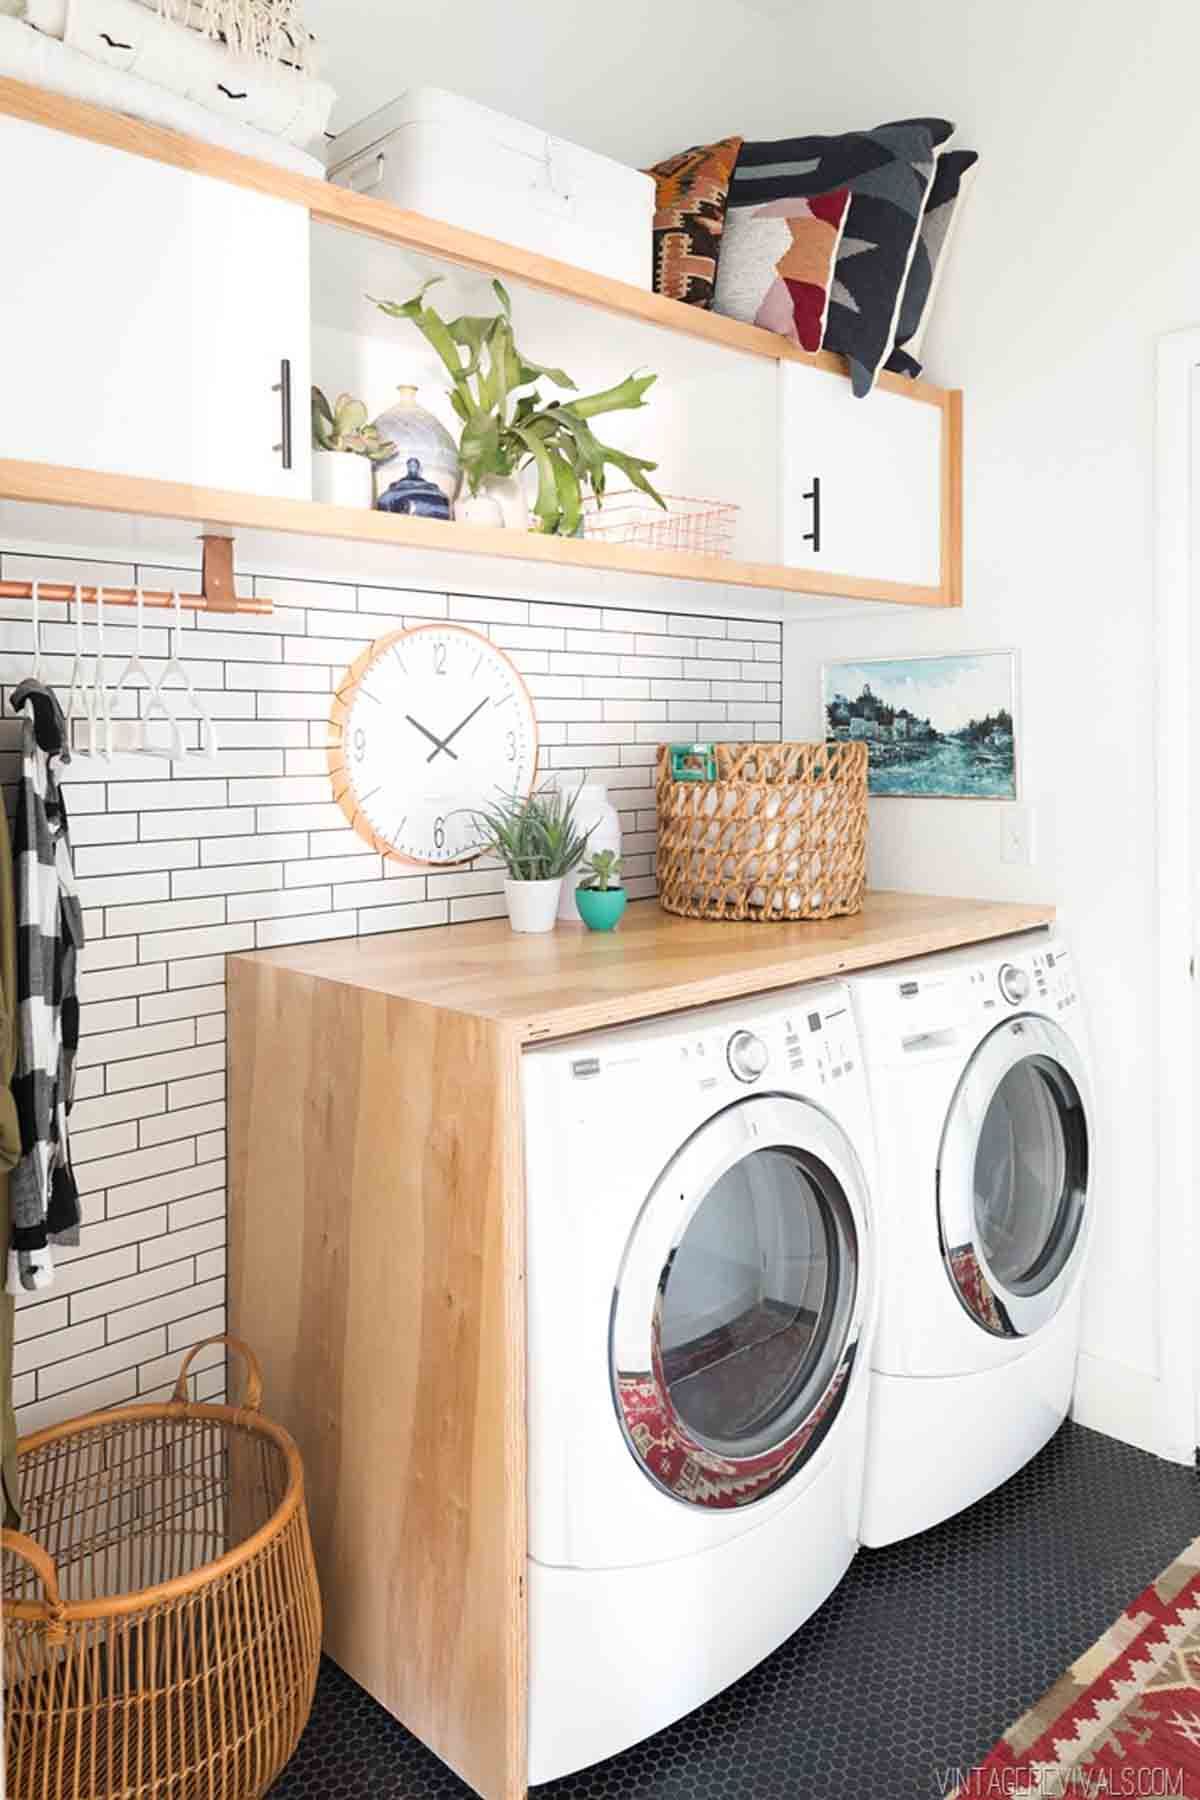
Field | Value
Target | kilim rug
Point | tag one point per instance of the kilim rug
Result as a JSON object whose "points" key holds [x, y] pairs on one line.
{"points": [[1124, 1719]]}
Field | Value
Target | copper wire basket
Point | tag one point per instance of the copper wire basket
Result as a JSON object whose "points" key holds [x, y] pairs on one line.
{"points": [[162, 1622], [702, 527]]}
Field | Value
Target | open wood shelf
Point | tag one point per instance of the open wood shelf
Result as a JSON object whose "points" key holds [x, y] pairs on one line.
{"points": [[330, 205], [46, 484]]}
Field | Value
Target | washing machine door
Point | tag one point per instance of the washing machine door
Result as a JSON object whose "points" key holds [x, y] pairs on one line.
{"points": [[1013, 1176], [740, 1303]]}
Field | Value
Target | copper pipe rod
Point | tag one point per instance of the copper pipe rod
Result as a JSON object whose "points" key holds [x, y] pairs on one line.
{"points": [[151, 597]]}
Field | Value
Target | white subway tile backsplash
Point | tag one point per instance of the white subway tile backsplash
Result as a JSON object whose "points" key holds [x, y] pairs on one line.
{"points": [[178, 1299], [252, 849], [37, 1316], [412, 917], [171, 1066], [106, 890], [106, 1140], [182, 1121], [58, 1377], [214, 940], [180, 864], [197, 971], [186, 1003], [113, 1109], [133, 1165], [328, 869], [195, 1210], [108, 1015], [102, 828], [304, 931], [248, 879], [108, 983], [202, 824]]}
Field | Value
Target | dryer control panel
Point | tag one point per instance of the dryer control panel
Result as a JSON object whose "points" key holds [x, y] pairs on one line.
{"points": [[917, 1012]]}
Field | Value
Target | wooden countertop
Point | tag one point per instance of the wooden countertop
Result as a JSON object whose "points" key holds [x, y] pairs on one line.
{"points": [[574, 980]]}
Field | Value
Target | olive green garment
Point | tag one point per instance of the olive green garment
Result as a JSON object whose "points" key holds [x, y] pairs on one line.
{"points": [[10, 1151]]}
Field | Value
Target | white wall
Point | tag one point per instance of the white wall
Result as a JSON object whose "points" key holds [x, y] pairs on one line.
{"points": [[630, 80], [1075, 250]]}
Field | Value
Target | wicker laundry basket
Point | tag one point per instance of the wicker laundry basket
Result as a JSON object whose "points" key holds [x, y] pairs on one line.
{"points": [[162, 1622], [781, 833]]}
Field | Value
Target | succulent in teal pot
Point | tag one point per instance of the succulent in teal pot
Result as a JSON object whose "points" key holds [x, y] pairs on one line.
{"points": [[600, 897]]}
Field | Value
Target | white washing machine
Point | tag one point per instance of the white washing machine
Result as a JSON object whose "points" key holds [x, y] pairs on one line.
{"points": [[700, 1292], [977, 1062]]}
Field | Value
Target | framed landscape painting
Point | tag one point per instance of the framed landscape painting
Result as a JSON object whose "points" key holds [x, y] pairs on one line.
{"points": [[935, 726]]}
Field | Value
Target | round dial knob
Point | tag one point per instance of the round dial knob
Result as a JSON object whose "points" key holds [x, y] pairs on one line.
{"points": [[747, 1055], [1014, 984]]}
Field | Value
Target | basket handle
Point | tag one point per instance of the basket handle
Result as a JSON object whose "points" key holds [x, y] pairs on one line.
{"points": [[15, 1543], [254, 1381]]}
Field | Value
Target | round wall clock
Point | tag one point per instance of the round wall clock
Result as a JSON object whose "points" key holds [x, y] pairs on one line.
{"points": [[428, 725]]}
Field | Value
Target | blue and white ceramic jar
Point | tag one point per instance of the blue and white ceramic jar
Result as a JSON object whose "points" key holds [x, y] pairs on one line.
{"points": [[413, 494], [416, 433]]}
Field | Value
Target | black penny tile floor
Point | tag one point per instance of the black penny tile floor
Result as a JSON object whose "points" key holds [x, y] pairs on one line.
{"points": [[909, 1672]]}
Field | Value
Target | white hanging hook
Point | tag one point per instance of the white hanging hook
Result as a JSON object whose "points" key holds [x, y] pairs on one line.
{"points": [[80, 699], [102, 744], [176, 670]]}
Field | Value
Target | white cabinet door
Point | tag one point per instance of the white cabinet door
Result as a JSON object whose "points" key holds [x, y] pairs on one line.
{"points": [[145, 316], [861, 492]]}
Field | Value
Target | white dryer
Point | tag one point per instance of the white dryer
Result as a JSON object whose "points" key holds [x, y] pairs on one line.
{"points": [[700, 1291], [977, 1062]]}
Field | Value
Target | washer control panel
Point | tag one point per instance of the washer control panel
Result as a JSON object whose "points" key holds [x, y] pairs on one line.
{"points": [[1015, 983], [747, 1055]]}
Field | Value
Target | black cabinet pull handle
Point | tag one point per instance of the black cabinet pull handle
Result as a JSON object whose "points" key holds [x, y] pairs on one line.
{"points": [[283, 387], [813, 537]]}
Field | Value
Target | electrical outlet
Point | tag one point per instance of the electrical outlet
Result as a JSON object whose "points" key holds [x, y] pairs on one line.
{"points": [[1016, 844]]}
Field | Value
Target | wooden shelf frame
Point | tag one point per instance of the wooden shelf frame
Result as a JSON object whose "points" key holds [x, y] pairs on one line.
{"points": [[330, 205], [138, 496]]}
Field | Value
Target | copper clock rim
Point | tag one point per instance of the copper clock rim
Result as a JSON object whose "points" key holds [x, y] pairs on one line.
{"points": [[340, 707]]}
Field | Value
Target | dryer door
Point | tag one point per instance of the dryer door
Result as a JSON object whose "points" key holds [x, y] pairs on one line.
{"points": [[740, 1303], [1013, 1175]]}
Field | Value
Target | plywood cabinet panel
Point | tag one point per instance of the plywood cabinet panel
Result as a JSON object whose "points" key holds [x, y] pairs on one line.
{"points": [[376, 1264]]}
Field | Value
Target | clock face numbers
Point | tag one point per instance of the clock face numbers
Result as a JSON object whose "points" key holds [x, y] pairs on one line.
{"points": [[435, 722]]}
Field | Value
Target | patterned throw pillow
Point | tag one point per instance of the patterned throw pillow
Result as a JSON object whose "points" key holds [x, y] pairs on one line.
{"points": [[778, 263], [878, 242], [689, 217], [952, 177], [887, 173]]}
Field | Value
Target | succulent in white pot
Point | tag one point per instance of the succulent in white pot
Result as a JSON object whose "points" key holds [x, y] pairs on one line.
{"points": [[345, 450], [536, 837]]}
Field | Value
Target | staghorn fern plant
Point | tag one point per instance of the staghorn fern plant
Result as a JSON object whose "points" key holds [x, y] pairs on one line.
{"points": [[504, 430], [343, 426]]}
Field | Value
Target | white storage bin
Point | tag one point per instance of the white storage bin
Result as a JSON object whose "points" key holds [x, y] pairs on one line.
{"points": [[438, 154]]}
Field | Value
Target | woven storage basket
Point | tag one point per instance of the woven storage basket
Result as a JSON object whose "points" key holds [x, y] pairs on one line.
{"points": [[162, 1623], [780, 834]]}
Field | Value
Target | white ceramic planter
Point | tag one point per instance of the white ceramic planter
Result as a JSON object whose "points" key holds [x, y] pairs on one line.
{"points": [[532, 905], [595, 814], [342, 478]]}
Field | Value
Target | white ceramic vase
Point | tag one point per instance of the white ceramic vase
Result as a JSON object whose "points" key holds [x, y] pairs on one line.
{"points": [[508, 493], [532, 905], [479, 509], [342, 478], [595, 813], [416, 432]]}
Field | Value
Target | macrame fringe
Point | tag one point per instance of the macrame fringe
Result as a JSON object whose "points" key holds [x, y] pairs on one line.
{"points": [[271, 30]]}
